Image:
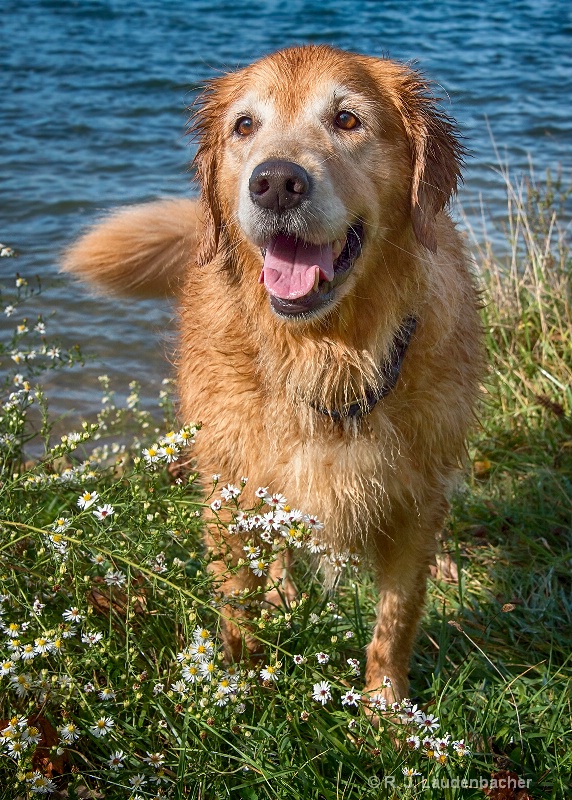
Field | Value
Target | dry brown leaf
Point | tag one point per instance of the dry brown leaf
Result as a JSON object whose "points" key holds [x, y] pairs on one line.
{"points": [[506, 785], [445, 569]]}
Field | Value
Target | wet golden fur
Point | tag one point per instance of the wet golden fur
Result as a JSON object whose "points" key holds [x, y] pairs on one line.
{"points": [[380, 483]]}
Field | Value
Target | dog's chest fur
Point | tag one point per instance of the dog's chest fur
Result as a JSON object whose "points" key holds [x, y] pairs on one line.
{"points": [[357, 475]]}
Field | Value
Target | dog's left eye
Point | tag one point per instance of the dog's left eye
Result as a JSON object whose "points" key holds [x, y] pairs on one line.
{"points": [[346, 121], [244, 126]]}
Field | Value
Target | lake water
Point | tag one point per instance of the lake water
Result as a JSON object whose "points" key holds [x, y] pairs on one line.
{"points": [[93, 108]]}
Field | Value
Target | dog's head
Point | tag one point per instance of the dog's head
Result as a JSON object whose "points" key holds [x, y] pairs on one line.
{"points": [[318, 158]]}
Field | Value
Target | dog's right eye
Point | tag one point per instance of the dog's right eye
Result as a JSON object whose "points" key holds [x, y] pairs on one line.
{"points": [[244, 126]]}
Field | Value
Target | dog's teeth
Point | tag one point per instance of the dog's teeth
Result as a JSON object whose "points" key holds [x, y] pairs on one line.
{"points": [[337, 248], [316, 281]]}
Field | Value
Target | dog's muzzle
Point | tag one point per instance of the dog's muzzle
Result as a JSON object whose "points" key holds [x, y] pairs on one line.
{"points": [[301, 277]]}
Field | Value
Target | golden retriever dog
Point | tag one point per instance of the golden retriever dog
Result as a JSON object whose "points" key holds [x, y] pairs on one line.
{"points": [[329, 333]]}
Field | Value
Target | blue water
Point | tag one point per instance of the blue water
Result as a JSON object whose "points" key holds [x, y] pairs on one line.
{"points": [[93, 108]]}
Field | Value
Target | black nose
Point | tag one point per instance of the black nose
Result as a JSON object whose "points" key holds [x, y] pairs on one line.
{"points": [[278, 185]]}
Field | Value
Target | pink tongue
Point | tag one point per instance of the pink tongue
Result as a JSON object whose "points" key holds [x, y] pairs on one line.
{"points": [[290, 266]]}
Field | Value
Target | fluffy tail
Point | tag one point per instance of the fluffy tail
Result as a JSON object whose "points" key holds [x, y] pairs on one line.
{"points": [[143, 250]]}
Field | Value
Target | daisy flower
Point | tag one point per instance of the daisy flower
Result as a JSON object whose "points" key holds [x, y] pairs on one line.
{"points": [[313, 523], [413, 742], [321, 692], [351, 698], [185, 437], [293, 537], [43, 645], [69, 732], [13, 630], [61, 524], [270, 673], [151, 454], [230, 492], [353, 664], [261, 492], [298, 660], [201, 634], [169, 452], [409, 772], [410, 714], [293, 515], [87, 499], [137, 781], [207, 669], [322, 658], [31, 734], [191, 673], [428, 722], [6, 667], [259, 566], [220, 698], [16, 749], [27, 652], [271, 521], [115, 761], [155, 759], [102, 727], [201, 651], [72, 615], [104, 511], [21, 683], [377, 702], [442, 744], [276, 500], [40, 784], [114, 578], [461, 748], [38, 607], [106, 694], [226, 685], [91, 637]]}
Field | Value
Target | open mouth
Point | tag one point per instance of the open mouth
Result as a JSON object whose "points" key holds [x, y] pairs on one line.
{"points": [[302, 278]]}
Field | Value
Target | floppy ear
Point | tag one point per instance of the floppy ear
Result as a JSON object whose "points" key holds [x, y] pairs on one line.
{"points": [[204, 126], [436, 155]]}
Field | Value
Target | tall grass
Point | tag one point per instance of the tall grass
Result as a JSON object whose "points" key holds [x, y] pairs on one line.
{"points": [[104, 693]]}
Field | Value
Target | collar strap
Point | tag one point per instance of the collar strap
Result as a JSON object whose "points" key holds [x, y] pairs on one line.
{"points": [[390, 372]]}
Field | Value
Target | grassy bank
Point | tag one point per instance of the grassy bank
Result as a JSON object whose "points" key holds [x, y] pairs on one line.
{"points": [[113, 683]]}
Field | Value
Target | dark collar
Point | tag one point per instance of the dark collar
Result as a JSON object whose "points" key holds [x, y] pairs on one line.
{"points": [[390, 371]]}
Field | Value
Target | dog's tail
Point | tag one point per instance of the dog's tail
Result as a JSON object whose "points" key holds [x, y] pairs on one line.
{"points": [[141, 250]]}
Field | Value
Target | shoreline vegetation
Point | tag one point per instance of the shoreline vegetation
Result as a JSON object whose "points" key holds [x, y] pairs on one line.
{"points": [[112, 681]]}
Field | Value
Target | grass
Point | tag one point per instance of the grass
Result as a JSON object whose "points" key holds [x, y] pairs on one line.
{"points": [[100, 617]]}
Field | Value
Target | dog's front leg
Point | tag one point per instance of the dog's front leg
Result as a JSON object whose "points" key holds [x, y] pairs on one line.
{"points": [[237, 584], [402, 570]]}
